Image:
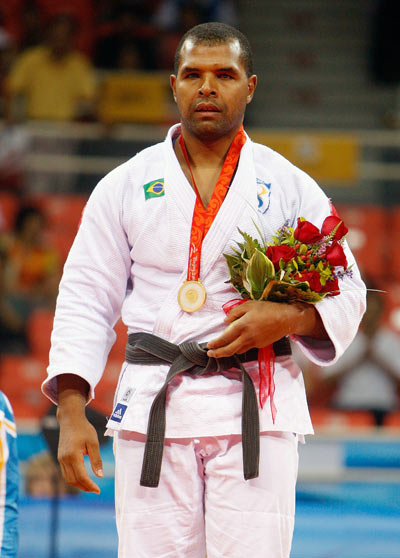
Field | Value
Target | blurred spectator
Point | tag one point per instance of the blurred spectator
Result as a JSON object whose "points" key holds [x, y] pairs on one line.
{"points": [[57, 81], [82, 11], [129, 37], [32, 25], [32, 269], [43, 478], [26, 20], [367, 376], [189, 15], [9, 481], [169, 12], [12, 326], [175, 17]]}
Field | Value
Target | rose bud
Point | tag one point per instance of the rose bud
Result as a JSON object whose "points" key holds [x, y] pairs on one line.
{"points": [[276, 253], [312, 278], [335, 255], [330, 223], [306, 232], [331, 287]]}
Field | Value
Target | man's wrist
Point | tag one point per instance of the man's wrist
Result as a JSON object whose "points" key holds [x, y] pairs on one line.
{"points": [[72, 395], [304, 320]]}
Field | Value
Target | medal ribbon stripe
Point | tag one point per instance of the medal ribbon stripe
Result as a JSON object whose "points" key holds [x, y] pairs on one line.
{"points": [[202, 217]]}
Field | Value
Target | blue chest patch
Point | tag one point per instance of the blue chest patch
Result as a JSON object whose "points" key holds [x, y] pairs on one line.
{"points": [[263, 195]]}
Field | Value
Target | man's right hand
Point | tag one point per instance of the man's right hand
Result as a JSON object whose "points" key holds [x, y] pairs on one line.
{"points": [[77, 436]]}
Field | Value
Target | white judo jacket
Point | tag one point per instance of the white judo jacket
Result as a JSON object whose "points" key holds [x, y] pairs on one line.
{"points": [[130, 258]]}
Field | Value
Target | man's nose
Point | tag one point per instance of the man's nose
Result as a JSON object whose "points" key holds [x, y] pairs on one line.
{"points": [[207, 87]]}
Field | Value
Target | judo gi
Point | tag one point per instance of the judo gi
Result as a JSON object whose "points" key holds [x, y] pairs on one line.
{"points": [[130, 258]]}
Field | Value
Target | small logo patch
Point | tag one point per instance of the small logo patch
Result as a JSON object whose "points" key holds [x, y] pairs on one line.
{"points": [[154, 189], [263, 195], [119, 412], [127, 395]]}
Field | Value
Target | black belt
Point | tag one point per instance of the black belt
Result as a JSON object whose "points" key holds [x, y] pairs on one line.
{"points": [[191, 357]]}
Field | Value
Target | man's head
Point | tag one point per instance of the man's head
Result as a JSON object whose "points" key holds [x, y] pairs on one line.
{"points": [[213, 82], [61, 34], [215, 33]]}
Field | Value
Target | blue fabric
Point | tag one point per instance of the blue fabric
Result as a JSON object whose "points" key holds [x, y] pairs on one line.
{"points": [[9, 469]]}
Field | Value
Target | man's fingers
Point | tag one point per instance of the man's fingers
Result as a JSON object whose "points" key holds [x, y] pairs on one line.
{"points": [[237, 346], [237, 312], [75, 474], [93, 452], [226, 337], [82, 479]]}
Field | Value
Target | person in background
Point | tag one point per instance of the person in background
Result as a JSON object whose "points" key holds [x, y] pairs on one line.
{"points": [[130, 34], [12, 326], [57, 82], [43, 477], [9, 481], [367, 376], [31, 267]]}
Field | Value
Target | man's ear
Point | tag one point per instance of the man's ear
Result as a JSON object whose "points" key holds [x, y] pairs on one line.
{"points": [[251, 84], [172, 82]]}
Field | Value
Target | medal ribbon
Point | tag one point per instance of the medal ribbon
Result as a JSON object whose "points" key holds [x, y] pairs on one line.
{"points": [[202, 217], [266, 365]]}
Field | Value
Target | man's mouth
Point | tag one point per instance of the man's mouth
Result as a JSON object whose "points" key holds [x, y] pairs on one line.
{"points": [[207, 107]]}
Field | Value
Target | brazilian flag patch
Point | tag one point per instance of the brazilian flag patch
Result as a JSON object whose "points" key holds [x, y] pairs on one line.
{"points": [[154, 189]]}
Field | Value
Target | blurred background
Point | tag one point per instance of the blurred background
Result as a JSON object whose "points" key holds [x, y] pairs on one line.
{"points": [[329, 100]]}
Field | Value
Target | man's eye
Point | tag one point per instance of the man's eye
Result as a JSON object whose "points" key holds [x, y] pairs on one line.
{"points": [[225, 76], [192, 75]]}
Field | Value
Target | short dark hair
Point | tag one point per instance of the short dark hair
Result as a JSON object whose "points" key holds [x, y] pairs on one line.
{"points": [[216, 33], [24, 213]]}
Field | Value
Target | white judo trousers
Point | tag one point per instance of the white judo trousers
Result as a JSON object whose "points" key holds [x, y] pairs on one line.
{"points": [[203, 505]]}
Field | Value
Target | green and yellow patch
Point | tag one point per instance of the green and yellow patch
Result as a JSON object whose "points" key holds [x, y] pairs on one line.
{"points": [[154, 189]]}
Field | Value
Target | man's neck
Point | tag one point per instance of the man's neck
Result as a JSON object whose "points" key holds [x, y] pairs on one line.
{"points": [[206, 159], [207, 154]]}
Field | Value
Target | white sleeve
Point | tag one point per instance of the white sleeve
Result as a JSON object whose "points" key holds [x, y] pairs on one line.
{"points": [[341, 315], [92, 289]]}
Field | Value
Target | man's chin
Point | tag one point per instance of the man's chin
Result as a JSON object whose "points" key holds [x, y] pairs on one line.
{"points": [[208, 130]]}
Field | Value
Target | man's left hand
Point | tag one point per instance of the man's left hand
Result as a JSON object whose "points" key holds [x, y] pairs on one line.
{"points": [[261, 323]]}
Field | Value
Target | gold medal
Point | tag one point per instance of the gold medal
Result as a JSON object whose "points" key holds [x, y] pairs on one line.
{"points": [[191, 296]]}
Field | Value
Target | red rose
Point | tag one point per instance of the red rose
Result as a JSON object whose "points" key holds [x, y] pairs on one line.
{"points": [[336, 256], [330, 223], [312, 278], [331, 287], [276, 253], [306, 232]]}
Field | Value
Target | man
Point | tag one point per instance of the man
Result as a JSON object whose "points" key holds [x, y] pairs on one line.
{"points": [[132, 252], [57, 81]]}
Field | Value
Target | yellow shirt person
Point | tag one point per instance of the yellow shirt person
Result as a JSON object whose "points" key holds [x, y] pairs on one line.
{"points": [[53, 88]]}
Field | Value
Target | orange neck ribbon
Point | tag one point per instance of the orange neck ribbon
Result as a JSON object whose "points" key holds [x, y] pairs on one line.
{"points": [[203, 218]]}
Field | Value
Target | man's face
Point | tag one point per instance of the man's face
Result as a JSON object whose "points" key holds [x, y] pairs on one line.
{"points": [[212, 89]]}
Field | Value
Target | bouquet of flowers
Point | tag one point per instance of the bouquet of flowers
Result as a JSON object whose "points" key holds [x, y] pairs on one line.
{"points": [[303, 264]]}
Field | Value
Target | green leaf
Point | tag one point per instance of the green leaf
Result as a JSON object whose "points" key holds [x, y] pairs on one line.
{"points": [[259, 271]]}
